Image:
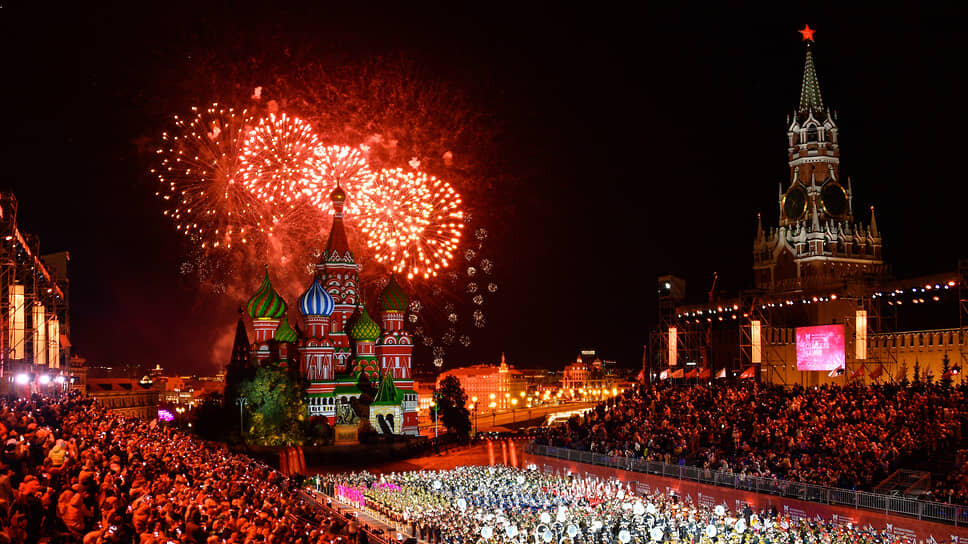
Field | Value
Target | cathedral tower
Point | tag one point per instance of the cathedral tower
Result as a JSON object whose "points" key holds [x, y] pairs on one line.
{"points": [[266, 308], [365, 333], [395, 347], [316, 352], [340, 276]]}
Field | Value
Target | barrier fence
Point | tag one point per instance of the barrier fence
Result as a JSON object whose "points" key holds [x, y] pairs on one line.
{"points": [[317, 502], [891, 504]]}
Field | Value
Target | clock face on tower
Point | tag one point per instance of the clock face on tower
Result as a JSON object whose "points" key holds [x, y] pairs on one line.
{"points": [[833, 198], [795, 203]]}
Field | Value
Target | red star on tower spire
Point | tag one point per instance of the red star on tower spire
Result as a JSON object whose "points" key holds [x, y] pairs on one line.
{"points": [[807, 33]]}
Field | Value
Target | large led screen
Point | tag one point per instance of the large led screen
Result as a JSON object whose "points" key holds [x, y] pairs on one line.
{"points": [[820, 348]]}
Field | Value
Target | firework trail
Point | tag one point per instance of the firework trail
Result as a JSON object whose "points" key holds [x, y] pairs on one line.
{"points": [[341, 165], [198, 167], [411, 221], [278, 161]]}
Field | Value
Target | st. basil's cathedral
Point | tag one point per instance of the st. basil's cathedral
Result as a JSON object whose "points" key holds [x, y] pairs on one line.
{"points": [[339, 340]]}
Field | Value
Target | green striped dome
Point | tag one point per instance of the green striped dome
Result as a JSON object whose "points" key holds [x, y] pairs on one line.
{"points": [[365, 329], [393, 299], [284, 332], [266, 302]]}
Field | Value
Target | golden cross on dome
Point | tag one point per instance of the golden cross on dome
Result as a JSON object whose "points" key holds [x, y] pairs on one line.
{"points": [[807, 33]]}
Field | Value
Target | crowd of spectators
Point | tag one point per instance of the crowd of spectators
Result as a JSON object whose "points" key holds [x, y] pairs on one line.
{"points": [[73, 472], [954, 486], [850, 436]]}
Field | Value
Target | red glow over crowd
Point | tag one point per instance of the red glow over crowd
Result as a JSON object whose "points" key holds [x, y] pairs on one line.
{"points": [[74, 472]]}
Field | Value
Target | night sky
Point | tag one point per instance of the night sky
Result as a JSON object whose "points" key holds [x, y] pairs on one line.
{"points": [[632, 145]]}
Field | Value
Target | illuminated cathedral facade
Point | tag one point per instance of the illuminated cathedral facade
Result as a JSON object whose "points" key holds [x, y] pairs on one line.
{"points": [[339, 341]]}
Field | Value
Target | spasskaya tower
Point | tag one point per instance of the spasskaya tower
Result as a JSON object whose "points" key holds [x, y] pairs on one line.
{"points": [[818, 241]]}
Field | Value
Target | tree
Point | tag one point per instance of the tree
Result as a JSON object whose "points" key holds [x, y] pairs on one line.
{"points": [[945, 368], [276, 407], [917, 371], [452, 401]]}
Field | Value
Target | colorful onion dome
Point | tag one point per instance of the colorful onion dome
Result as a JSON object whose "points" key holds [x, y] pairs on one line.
{"points": [[266, 302], [284, 333], [393, 298], [365, 329], [316, 301]]}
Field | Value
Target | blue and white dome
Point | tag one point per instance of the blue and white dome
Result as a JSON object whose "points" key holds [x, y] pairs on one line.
{"points": [[316, 301]]}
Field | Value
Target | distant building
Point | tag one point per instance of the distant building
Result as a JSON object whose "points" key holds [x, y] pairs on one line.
{"points": [[583, 380], [187, 390], [425, 395], [78, 378], [502, 381], [127, 397], [575, 375]]}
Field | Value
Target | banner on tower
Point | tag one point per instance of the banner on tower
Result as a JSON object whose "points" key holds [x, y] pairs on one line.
{"points": [[673, 336], [53, 342], [821, 348], [860, 343], [16, 321], [40, 334], [756, 350]]}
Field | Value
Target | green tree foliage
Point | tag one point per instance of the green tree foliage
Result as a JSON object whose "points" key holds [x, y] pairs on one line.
{"points": [[453, 407], [277, 410], [945, 367]]}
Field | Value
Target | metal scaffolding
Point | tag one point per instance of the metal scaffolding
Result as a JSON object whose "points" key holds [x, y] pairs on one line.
{"points": [[34, 311]]}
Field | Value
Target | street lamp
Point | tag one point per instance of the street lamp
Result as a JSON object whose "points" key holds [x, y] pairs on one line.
{"points": [[493, 412], [241, 401], [514, 404], [474, 405], [435, 404]]}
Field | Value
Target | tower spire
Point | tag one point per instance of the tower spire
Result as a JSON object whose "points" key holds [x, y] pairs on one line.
{"points": [[810, 99], [240, 348], [873, 229], [337, 236]]}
